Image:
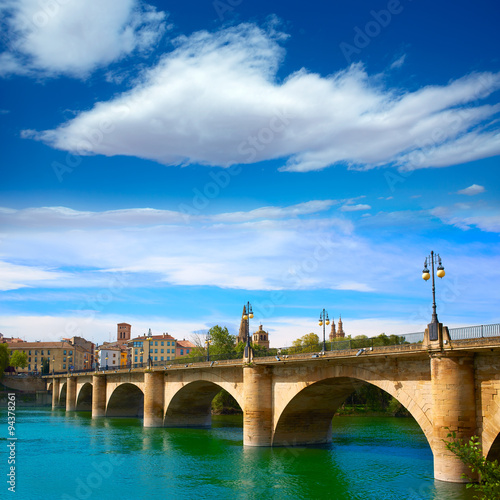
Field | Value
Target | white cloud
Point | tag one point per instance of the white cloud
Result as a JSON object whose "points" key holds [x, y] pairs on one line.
{"points": [[398, 62], [460, 216], [216, 100], [13, 276], [74, 38], [273, 248], [63, 217], [472, 190], [355, 208]]}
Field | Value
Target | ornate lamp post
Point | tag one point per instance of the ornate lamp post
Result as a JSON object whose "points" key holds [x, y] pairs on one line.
{"points": [[433, 326], [207, 341], [248, 314], [53, 363], [323, 320], [106, 361], [150, 338]]}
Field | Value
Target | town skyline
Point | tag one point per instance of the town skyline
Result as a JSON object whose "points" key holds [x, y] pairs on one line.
{"points": [[208, 154]]}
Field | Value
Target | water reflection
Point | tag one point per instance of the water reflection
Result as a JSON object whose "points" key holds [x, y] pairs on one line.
{"points": [[369, 458]]}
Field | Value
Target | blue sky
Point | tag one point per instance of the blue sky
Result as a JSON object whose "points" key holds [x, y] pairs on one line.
{"points": [[163, 163]]}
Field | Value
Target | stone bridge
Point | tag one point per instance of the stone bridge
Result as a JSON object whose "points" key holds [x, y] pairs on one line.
{"points": [[291, 400]]}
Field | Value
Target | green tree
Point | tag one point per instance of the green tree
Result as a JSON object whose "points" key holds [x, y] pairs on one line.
{"points": [[4, 358], [222, 342], [306, 343], [470, 454], [19, 359]]}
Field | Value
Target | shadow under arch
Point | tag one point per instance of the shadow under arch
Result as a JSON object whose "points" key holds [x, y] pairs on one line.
{"points": [[127, 400], [191, 406], [494, 451], [84, 398], [307, 418], [50, 387], [62, 395]]}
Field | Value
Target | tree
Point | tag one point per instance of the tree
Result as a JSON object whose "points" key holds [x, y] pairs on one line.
{"points": [[4, 358], [222, 342], [306, 343], [19, 359], [470, 454]]}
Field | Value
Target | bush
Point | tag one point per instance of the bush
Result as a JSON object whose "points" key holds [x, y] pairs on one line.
{"points": [[470, 454]]}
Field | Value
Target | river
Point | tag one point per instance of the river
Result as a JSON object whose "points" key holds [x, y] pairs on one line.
{"points": [[69, 457]]}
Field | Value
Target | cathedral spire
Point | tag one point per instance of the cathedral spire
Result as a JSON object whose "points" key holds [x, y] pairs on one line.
{"points": [[242, 335]]}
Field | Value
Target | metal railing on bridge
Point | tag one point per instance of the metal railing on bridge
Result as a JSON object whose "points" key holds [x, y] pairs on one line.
{"points": [[463, 333]]}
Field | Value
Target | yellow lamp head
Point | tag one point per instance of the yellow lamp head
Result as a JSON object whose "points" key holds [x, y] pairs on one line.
{"points": [[425, 275], [251, 315], [327, 321], [245, 316], [321, 323], [440, 272]]}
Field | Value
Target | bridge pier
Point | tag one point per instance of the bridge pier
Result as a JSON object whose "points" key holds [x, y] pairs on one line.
{"points": [[153, 399], [71, 394], [258, 404], [55, 392], [453, 409], [98, 396]]}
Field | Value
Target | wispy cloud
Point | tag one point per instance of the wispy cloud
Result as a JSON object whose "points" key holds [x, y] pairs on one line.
{"points": [[216, 100], [472, 190], [75, 38], [355, 208], [465, 217], [398, 62]]}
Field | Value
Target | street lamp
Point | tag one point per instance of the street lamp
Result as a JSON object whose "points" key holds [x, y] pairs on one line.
{"points": [[323, 320], [150, 338], [207, 341], [248, 314], [433, 326], [53, 363], [106, 361]]}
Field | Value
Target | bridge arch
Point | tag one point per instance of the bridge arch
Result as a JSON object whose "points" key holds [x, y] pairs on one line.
{"points": [[491, 435], [127, 400], [84, 398], [188, 400], [304, 416], [62, 394]]}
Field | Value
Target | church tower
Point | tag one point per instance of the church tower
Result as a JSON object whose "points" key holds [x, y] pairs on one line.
{"points": [[242, 335], [261, 338], [340, 331], [333, 334]]}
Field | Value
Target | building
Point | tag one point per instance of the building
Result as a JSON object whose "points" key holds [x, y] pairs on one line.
{"points": [[158, 348], [108, 357], [339, 333], [49, 357], [87, 346], [261, 338], [183, 348], [124, 332]]}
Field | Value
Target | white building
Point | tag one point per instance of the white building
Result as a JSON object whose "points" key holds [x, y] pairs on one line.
{"points": [[108, 357]]}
